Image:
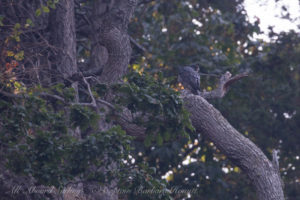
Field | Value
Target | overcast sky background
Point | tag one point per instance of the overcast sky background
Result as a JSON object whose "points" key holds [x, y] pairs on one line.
{"points": [[269, 14]]}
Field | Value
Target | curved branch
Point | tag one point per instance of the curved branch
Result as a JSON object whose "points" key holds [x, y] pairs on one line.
{"points": [[239, 149], [110, 21]]}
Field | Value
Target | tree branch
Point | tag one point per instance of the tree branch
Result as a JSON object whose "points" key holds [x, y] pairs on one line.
{"points": [[90, 91], [225, 82], [239, 149], [133, 41]]}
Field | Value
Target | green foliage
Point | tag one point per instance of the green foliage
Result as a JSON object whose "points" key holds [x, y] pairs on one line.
{"points": [[36, 132], [38, 140], [83, 117], [141, 183], [216, 35], [194, 32], [157, 105]]}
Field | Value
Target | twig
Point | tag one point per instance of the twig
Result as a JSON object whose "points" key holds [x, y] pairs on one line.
{"points": [[94, 103], [7, 94], [137, 44], [52, 96], [106, 103], [275, 158]]}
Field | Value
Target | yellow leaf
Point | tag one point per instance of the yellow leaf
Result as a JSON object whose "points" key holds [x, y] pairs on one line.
{"points": [[141, 71], [135, 66], [154, 14], [19, 56], [236, 169], [203, 158], [10, 53], [45, 9], [17, 84], [209, 88], [17, 38], [170, 177]]}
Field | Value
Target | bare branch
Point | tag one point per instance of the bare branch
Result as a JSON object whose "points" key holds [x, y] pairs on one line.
{"points": [[225, 81], [139, 46], [43, 94], [275, 159], [90, 91]]}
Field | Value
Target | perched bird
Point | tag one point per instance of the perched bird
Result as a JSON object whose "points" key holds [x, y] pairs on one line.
{"points": [[189, 77]]}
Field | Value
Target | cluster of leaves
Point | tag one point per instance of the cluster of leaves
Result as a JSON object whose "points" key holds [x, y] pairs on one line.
{"points": [[156, 106], [141, 182], [36, 138], [20, 24], [179, 33]]}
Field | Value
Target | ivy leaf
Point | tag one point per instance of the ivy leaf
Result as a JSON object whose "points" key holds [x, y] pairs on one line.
{"points": [[28, 23], [147, 141], [10, 53], [17, 26], [159, 140], [19, 56], [45, 9], [38, 12]]}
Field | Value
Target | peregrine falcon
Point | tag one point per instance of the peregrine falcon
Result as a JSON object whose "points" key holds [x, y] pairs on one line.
{"points": [[190, 78]]}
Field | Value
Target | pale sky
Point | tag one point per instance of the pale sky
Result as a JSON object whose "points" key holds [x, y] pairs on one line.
{"points": [[269, 14]]}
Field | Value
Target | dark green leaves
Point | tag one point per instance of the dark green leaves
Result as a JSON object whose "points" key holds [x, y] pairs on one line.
{"points": [[156, 106], [83, 117]]}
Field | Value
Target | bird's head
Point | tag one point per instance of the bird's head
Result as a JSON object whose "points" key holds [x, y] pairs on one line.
{"points": [[196, 67]]}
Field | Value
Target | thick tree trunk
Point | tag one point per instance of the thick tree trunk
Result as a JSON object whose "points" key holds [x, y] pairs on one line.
{"points": [[109, 36], [110, 56], [63, 38], [240, 150]]}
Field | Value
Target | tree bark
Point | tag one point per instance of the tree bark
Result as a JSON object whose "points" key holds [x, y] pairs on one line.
{"points": [[110, 20], [110, 56], [239, 149], [63, 37]]}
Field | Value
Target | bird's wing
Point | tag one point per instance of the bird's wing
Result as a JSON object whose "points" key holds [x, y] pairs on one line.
{"points": [[195, 81], [190, 78]]}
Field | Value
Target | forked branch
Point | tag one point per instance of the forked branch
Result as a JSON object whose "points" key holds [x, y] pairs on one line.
{"points": [[224, 84]]}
